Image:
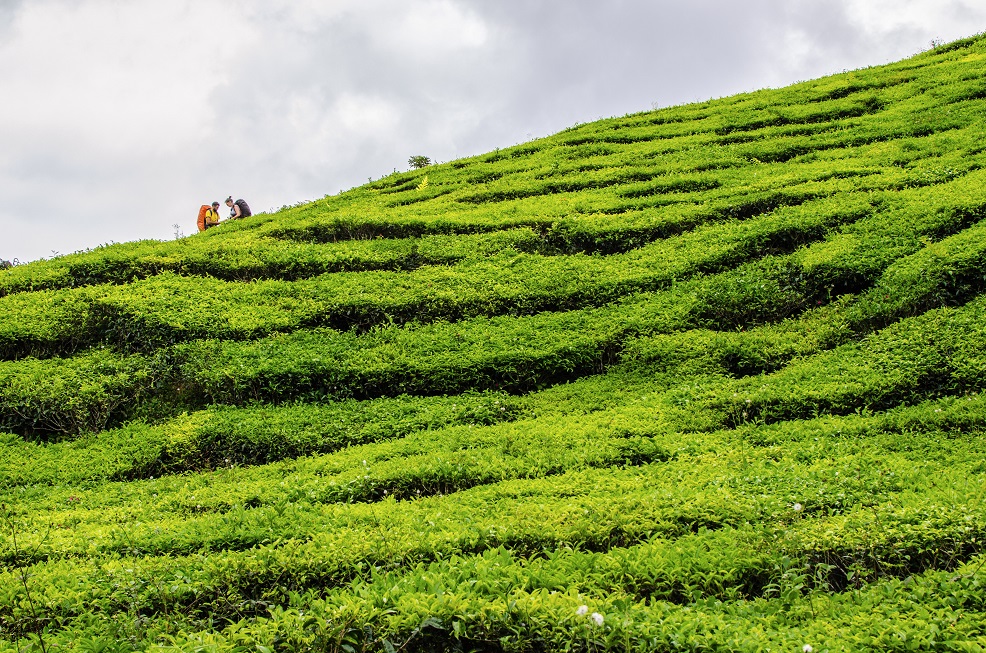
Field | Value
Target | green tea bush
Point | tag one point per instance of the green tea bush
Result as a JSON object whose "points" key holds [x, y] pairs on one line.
{"points": [[168, 308], [59, 397], [678, 555], [930, 355], [247, 256], [223, 436], [316, 363]]}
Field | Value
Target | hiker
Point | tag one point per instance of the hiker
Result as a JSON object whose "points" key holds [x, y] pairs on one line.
{"points": [[238, 209], [208, 216]]}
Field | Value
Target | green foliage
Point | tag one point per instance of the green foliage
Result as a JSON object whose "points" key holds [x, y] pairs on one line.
{"points": [[703, 378], [68, 396]]}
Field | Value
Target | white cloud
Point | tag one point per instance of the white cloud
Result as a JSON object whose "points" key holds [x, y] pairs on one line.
{"points": [[429, 29], [365, 115], [943, 19], [112, 77], [298, 16]]}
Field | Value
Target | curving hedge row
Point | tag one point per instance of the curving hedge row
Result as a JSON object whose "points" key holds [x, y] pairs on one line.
{"points": [[687, 537]]}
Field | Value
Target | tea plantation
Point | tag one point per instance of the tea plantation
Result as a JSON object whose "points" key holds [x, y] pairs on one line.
{"points": [[704, 378]]}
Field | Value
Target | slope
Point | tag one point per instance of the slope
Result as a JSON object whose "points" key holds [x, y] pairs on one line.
{"points": [[707, 377]]}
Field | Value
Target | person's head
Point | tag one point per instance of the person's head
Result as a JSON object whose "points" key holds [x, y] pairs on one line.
{"points": [[229, 201], [215, 205]]}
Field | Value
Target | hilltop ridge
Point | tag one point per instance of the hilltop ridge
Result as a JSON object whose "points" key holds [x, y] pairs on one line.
{"points": [[708, 376]]}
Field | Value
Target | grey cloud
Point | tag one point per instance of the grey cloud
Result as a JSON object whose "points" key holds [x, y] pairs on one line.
{"points": [[8, 10]]}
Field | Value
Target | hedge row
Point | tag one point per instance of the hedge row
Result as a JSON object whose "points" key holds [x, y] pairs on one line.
{"points": [[192, 512], [698, 548], [934, 354], [167, 308], [928, 611], [249, 255], [60, 322], [519, 354], [223, 436], [945, 273]]}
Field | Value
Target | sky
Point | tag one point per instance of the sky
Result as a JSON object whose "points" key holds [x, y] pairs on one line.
{"points": [[119, 118]]}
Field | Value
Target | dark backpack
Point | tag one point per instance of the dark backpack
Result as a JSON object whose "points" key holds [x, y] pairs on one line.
{"points": [[244, 208]]}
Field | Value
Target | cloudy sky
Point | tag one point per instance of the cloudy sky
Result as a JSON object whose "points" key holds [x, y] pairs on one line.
{"points": [[118, 118]]}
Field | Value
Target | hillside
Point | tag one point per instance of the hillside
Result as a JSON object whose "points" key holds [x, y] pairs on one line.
{"points": [[703, 378]]}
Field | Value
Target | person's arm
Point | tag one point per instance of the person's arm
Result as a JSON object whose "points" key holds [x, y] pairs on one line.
{"points": [[236, 211]]}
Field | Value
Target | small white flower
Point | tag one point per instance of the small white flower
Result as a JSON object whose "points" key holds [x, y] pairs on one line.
{"points": [[797, 508], [596, 617], [807, 648], [582, 611]]}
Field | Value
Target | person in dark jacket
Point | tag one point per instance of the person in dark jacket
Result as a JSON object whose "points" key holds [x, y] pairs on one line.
{"points": [[238, 209]]}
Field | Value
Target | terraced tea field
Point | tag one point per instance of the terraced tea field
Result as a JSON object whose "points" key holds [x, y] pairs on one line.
{"points": [[703, 378]]}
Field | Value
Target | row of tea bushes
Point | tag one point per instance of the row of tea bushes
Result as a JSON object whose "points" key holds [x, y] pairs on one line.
{"points": [[529, 353], [927, 611], [923, 160], [249, 256], [59, 322], [945, 273], [934, 354], [936, 609], [516, 354], [224, 436], [169, 308], [693, 515], [183, 513]]}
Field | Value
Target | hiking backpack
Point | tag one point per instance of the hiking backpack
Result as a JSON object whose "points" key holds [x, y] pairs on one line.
{"points": [[244, 208], [202, 211]]}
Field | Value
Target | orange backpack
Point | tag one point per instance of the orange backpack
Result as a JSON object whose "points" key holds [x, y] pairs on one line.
{"points": [[202, 211]]}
